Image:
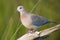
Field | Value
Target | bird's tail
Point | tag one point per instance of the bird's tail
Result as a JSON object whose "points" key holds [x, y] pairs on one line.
{"points": [[53, 22]]}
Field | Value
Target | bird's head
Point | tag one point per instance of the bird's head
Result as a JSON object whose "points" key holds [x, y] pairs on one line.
{"points": [[20, 8]]}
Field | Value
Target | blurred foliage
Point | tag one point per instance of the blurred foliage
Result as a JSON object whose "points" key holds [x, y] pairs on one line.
{"points": [[10, 25]]}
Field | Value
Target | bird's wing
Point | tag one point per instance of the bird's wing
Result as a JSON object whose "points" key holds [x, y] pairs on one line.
{"points": [[38, 20]]}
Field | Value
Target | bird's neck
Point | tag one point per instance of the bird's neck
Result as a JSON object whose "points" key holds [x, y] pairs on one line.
{"points": [[23, 12]]}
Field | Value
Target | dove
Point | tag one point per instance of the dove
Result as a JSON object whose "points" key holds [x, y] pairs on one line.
{"points": [[31, 21]]}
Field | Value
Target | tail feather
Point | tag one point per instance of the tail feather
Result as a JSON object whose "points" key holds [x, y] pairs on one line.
{"points": [[53, 22]]}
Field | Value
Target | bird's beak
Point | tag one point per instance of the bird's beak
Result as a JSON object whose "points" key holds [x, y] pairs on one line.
{"points": [[16, 10]]}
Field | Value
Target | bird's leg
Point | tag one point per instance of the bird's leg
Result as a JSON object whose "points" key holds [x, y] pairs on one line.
{"points": [[31, 30]]}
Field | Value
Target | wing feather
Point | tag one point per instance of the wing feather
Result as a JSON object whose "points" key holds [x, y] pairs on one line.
{"points": [[38, 20]]}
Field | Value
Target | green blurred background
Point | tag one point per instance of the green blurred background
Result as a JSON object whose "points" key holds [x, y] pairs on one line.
{"points": [[10, 24]]}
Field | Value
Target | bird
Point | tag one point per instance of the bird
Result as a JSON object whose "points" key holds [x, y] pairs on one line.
{"points": [[31, 21]]}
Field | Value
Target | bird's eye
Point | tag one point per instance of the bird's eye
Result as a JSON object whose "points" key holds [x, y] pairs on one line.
{"points": [[20, 7]]}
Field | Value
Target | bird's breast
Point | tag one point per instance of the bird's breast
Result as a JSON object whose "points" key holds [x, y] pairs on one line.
{"points": [[25, 19]]}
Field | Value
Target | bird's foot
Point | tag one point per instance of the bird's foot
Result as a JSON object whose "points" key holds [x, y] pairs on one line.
{"points": [[31, 31]]}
